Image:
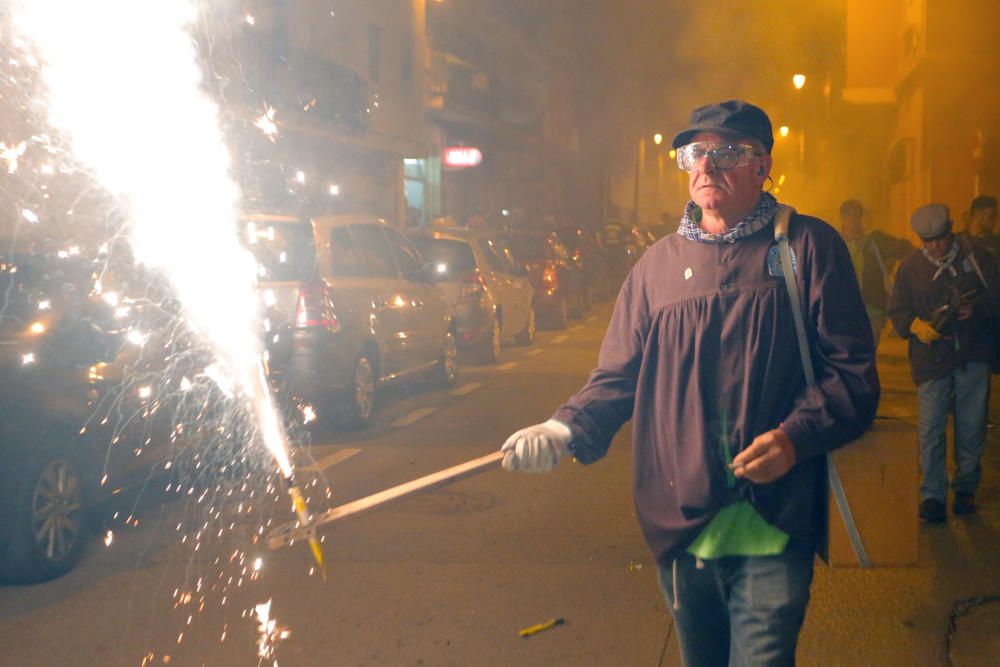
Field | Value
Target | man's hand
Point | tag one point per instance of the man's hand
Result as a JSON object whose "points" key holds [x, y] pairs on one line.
{"points": [[537, 448], [768, 457], [924, 332], [965, 311]]}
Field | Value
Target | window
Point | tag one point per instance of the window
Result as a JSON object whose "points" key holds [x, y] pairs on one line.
{"points": [[347, 259], [407, 257], [284, 251], [451, 259], [494, 256], [368, 239]]}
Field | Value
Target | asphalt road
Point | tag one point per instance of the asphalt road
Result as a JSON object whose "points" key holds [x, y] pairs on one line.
{"points": [[449, 577]]}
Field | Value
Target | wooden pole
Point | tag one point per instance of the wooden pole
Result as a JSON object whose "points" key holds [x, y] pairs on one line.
{"points": [[286, 534]]}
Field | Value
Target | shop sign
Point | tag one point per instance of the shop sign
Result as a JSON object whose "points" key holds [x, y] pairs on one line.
{"points": [[461, 157]]}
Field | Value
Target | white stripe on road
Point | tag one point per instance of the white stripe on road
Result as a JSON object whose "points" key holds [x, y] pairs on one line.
{"points": [[592, 318], [576, 328], [559, 339], [413, 417], [535, 352], [467, 389], [509, 365], [331, 460]]}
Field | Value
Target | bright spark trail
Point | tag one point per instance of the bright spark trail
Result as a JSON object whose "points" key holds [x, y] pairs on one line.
{"points": [[123, 81]]}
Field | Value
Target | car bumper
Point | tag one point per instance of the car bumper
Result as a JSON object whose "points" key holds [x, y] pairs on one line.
{"points": [[319, 366]]}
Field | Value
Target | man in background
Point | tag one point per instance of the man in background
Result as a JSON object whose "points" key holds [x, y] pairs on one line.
{"points": [[945, 299], [874, 255]]}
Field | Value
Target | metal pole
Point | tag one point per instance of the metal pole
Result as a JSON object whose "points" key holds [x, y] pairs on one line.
{"points": [[287, 534]]}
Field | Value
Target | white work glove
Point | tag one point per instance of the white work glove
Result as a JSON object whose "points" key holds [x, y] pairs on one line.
{"points": [[537, 448]]}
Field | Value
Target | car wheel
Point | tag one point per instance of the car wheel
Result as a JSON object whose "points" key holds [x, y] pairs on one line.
{"points": [[446, 373], [527, 336], [361, 403], [490, 351], [50, 518]]}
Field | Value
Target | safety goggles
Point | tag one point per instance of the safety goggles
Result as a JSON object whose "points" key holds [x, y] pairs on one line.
{"points": [[722, 156]]}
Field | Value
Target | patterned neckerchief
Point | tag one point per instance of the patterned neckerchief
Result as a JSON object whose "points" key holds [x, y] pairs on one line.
{"points": [[751, 224], [946, 263]]}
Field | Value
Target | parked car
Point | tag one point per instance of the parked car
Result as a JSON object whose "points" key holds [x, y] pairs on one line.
{"points": [[72, 433], [349, 304], [492, 297], [560, 288], [592, 260]]}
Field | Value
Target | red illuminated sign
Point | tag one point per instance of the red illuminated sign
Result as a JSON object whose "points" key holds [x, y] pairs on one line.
{"points": [[461, 157]]}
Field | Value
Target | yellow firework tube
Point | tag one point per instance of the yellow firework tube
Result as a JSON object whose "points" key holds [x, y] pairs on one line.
{"points": [[302, 511]]}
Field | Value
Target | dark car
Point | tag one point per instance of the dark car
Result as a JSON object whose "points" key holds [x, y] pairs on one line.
{"points": [[592, 260], [560, 288], [71, 431], [348, 304], [492, 297]]}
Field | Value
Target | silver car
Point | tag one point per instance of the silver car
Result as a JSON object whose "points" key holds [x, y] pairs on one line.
{"points": [[489, 292]]}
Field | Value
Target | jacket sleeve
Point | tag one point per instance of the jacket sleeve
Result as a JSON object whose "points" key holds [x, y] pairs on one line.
{"points": [[893, 249], [605, 403], [988, 303], [901, 309], [842, 403]]}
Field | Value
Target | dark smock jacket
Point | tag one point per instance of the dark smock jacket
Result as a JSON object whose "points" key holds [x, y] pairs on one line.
{"points": [[701, 351], [872, 278], [916, 294]]}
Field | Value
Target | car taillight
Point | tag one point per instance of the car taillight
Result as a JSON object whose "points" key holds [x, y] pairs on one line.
{"points": [[473, 284], [311, 308], [550, 277]]}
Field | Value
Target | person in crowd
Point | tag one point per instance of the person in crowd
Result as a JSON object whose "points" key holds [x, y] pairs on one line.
{"points": [[944, 299], [729, 442], [982, 225], [874, 255]]}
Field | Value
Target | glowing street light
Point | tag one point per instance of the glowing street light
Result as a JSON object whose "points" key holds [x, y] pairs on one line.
{"points": [[657, 138], [783, 130], [798, 81]]}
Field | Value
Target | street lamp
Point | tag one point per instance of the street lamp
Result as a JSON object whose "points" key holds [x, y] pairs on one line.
{"points": [[783, 130], [799, 80], [657, 138]]}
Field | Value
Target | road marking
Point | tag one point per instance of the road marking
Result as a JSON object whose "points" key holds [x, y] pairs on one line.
{"points": [[413, 417], [509, 365], [331, 460], [559, 339], [592, 318], [576, 327], [535, 352], [467, 389]]}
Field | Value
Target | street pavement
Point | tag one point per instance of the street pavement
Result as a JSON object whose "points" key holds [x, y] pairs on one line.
{"points": [[449, 577]]}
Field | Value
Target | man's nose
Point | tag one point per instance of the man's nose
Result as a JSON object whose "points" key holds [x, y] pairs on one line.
{"points": [[707, 164]]}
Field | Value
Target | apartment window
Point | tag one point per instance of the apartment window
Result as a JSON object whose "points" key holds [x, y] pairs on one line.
{"points": [[374, 53]]}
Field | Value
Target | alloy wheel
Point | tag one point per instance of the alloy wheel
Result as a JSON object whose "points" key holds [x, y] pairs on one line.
{"points": [[57, 510], [364, 389]]}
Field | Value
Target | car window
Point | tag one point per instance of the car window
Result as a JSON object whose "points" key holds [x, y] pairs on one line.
{"points": [[347, 259], [407, 257], [284, 251], [449, 257], [369, 240], [528, 248], [493, 255]]}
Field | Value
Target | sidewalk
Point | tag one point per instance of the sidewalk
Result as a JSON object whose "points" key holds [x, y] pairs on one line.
{"points": [[945, 611]]}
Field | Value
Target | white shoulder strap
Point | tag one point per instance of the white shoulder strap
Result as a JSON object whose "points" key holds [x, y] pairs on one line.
{"points": [[781, 222]]}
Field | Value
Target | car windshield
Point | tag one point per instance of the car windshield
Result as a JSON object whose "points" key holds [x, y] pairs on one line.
{"points": [[31, 282], [528, 248], [284, 250], [450, 258]]}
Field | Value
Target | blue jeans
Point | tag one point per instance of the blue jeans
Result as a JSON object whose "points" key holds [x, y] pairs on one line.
{"points": [[969, 387], [739, 611]]}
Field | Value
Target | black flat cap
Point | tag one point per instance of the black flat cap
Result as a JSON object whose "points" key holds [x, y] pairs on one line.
{"points": [[930, 220], [733, 118]]}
